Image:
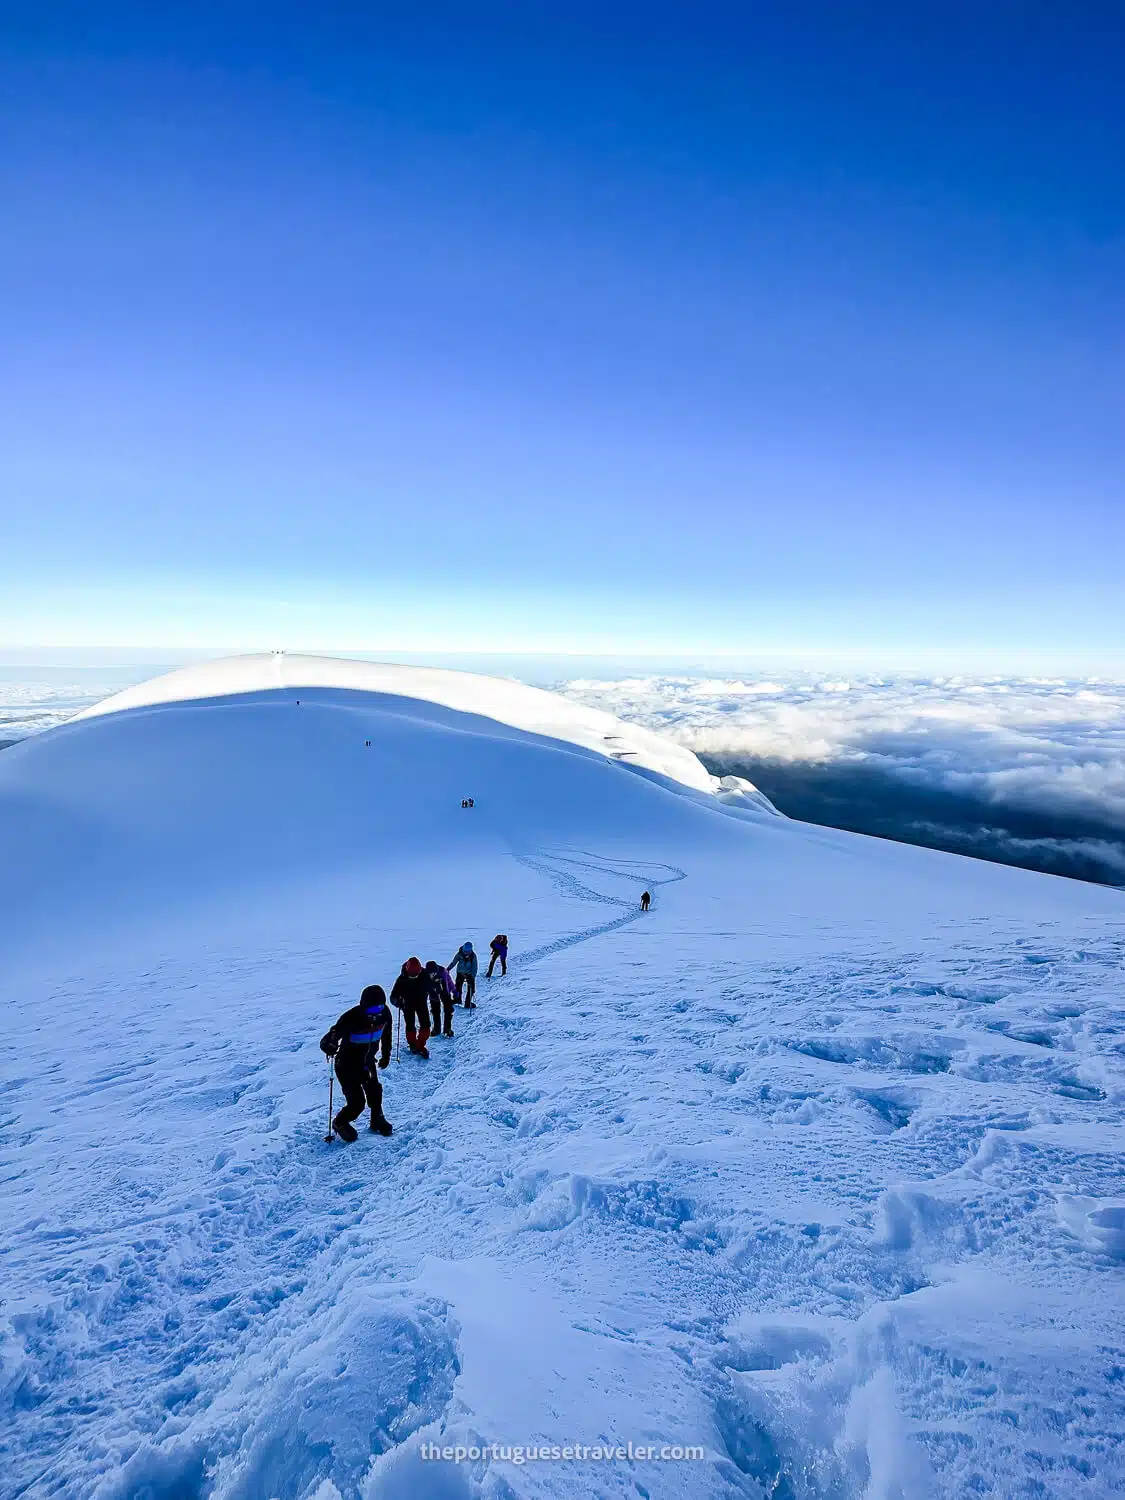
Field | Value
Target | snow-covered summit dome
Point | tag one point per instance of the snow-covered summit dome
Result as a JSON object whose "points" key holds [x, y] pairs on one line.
{"points": [[508, 702]]}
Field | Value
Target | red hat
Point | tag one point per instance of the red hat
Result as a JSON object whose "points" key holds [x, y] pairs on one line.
{"points": [[413, 966]]}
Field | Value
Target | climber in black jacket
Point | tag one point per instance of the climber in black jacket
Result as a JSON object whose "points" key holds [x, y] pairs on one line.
{"points": [[360, 1042], [410, 993]]}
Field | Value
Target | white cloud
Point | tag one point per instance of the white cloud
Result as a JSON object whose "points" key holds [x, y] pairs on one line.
{"points": [[27, 708], [1045, 744]]}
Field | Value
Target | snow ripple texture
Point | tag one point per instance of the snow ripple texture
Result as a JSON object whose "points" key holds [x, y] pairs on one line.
{"points": [[817, 1165]]}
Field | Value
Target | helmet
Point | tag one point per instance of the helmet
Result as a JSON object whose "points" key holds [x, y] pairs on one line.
{"points": [[466, 947], [431, 966], [412, 967], [374, 996]]}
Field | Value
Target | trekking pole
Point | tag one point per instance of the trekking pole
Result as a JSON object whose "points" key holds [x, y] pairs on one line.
{"points": [[331, 1081], [398, 1039]]}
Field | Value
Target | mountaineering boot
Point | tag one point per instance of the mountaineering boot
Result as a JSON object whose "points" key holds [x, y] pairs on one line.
{"points": [[448, 1031], [380, 1125], [422, 1051], [344, 1130]]}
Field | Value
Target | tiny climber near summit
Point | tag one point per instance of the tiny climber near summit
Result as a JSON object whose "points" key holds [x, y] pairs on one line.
{"points": [[646, 900]]}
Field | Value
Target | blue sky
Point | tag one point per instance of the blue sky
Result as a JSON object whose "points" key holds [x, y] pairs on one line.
{"points": [[565, 327]]}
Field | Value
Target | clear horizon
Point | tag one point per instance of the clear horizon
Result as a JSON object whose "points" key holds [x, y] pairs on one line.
{"points": [[790, 333], [933, 663]]}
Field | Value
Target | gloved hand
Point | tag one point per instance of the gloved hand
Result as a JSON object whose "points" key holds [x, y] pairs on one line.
{"points": [[329, 1048]]}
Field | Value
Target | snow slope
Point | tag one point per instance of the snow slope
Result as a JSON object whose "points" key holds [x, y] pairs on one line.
{"points": [[506, 701], [815, 1167]]}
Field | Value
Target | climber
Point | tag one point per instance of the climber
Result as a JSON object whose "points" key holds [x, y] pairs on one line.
{"points": [[464, 967], [499, 949], [411, 994], [441, 999], [360, 1042]]}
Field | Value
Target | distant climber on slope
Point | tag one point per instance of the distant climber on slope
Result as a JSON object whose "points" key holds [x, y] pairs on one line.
{"points": [[411, 994], [441, 998], [464, 966], [646, 900], [360, 1042], [499, 948]]}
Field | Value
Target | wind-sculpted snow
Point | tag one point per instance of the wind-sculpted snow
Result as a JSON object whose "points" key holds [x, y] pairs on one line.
{"points": [[815, 1166]]}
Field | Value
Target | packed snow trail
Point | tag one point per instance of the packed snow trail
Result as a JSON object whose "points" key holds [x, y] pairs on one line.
{"points": [[171, 1304], [816, 1165], [570, 885]]}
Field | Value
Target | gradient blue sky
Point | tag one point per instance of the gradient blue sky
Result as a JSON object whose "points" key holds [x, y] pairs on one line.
{"points": [[788, 327]]}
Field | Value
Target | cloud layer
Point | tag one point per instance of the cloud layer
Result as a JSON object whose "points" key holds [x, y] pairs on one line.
{"points": [[37, 695], [1028, 771], [28, 708]]}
